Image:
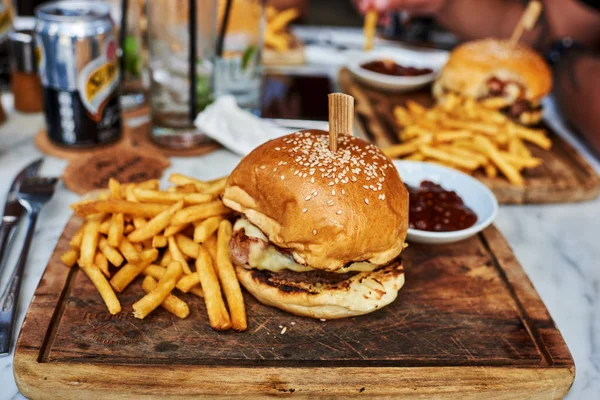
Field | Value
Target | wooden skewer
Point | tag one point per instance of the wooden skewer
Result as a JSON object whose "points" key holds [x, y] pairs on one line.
{"points": [[527, 21], [341, 117]]}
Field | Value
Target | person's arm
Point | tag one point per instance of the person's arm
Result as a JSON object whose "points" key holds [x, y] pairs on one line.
{"points": [[468, 19], [577, 90]]}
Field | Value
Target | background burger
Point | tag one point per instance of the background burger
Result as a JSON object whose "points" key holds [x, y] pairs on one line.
{"points": [[513, 79], [320, 232]]}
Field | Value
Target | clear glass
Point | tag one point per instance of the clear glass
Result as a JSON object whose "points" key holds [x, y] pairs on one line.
{"points": [[133, 85], [239, 69], [169, 56]]}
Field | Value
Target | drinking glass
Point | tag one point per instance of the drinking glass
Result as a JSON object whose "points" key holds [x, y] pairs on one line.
{"points": [[238, 67], [176, 94]]}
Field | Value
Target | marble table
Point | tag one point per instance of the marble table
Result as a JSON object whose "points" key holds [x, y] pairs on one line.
{"points": [[556, 244]]}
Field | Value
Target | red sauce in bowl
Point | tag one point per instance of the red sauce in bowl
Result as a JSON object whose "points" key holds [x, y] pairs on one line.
{"points": [[388, 67], [432, 208]]}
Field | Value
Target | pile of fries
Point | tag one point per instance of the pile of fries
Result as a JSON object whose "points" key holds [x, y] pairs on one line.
{"points": [[178, 239], [277, 36], [466, 135]]}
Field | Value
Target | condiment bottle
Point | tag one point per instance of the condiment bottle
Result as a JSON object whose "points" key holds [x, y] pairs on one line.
{"points": [[26, 85]]}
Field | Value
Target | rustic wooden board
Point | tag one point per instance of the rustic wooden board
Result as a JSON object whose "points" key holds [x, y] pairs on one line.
{"points": [[468, 323], [564, 176]]}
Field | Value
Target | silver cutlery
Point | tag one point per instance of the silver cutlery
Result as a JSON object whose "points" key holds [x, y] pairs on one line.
{"points": [[13, 210], [33, 194]]}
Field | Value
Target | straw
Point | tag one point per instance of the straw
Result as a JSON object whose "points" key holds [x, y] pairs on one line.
{"points": [[193, 56], [123, 37], [221, 38]]}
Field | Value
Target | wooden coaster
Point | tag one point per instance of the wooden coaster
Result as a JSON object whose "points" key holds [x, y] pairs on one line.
{"points": [[124, 163], [133, 136]]}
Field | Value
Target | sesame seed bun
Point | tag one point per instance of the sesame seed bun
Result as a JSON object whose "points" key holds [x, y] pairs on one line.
{"points": [[471, 65], [360, 294], [328, 209]]}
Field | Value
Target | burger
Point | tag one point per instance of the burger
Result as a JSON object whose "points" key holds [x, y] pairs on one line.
{"points": [[320, 233], [507, 77]]}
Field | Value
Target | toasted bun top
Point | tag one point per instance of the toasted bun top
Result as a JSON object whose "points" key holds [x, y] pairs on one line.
{"points": [[328, 208], [471, 64]]}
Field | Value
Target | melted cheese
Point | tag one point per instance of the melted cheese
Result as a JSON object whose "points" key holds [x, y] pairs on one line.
{"points": [[266, 256]]}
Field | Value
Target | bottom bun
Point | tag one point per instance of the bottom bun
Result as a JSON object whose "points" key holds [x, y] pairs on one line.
{"points": [[360, 294]]}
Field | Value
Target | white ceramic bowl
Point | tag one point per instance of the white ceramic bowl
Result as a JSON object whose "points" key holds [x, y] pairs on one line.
{"points": [[405, 57], [475, 194]]}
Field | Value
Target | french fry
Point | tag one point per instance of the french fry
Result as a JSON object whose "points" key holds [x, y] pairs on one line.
{"points": [[102, 263], [415, 108], [197, 290], [228, 278], [104, 288], [187, 188], [177, 255], [159, 241], [75, 241], [128, 229], [536, 137], [159, 294], [511, 173], [70, 257], [206, 228], [89, 243], [144, 210], [211, 246], [150, 184], [270, 13], [275, 41], [188, 281], [415, 157], [130, 253], [369, 28], [198, 212], [446, 157], [449, 136], [187, 246], [490, 170], [402, 116], [104, 227], [466, 153], [155, 196], [172, 304], [173, 229], [282, 19], [115, 230], [114, 189], [130, 271], [408, 147], [155, 225], [520, 148], [111, 254], [520, 162], [215, 306], [166, 258], [155, 271]]}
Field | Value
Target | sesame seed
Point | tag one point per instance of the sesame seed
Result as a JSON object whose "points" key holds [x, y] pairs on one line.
{"points": [[330, 203], [263, 166], [277, 148], [366, 201], [382, 196], [275, 169], [339, 212], [304, 210], [312, 180], [307, 198], [333, 192], [314, 232], [343, 191], [331, 183], [282, 177]]}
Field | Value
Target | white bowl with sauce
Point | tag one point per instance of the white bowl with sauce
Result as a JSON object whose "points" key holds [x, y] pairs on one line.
{"points": [[474, 194], [403, 57]]}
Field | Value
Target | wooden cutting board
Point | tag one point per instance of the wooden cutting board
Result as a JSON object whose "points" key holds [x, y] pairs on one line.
{"points": [[564, 176], [467, 324]]}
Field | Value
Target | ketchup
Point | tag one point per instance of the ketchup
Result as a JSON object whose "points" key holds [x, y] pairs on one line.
{"points": [[432, 208], [388, 67]]}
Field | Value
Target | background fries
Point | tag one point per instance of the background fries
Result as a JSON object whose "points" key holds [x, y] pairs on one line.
{"points": [[466, 135], [139, 230], [276, 36]]}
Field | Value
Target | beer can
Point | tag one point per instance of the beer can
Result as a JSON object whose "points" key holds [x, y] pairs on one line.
{"points": [[78, 66]]}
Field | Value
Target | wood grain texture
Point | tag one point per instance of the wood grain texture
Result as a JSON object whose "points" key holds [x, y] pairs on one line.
{"points": [[467, 324], [564, 176]]}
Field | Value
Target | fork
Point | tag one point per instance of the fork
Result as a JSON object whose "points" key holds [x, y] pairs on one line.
{"points": [[33, 194]]}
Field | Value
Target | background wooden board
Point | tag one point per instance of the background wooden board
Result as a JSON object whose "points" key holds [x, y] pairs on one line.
{"points": [[467, 322], [564, 176]]}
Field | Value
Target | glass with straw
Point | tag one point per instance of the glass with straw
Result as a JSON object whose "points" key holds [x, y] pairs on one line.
{"points": [[181, 46]]}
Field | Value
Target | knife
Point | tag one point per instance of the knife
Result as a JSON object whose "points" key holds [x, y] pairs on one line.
{"points": [[13, 210]]}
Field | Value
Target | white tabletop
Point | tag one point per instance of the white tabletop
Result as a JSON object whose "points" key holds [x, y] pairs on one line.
{"points": [[556, 244]]}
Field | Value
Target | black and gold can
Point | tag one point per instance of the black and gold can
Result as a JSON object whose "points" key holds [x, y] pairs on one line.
{"points": [[78, 65]]}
